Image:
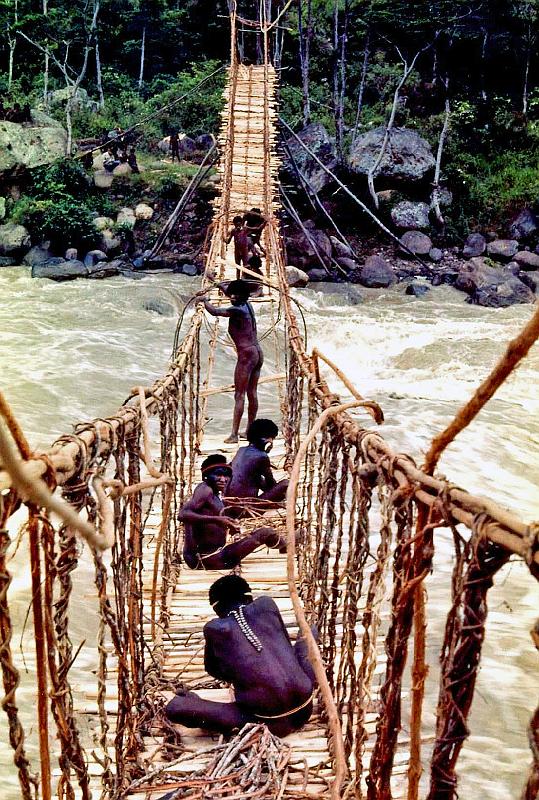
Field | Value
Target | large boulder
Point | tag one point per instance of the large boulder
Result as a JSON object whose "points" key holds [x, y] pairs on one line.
{"points": [[94, 257], [296, 277], [57, 269], [205, 141], [527, 261], [502, 249], [159, 306], [491, 286], [7, 261], [524, 225], [187, 144], [408, 157], [376, 273], [475, 245], [37, 255], [121, 170], [416, 243], [103, 223], [340, 250], [79, 99], [2, 207], [411, 216], [164, 144], [109, 243], [29, 145], [302, 248], [317, 139], [103, 179], [318, 275], [349, 264], [14, 239]]}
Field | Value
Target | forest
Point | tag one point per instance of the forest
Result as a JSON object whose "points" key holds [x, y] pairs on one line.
{"points": [[466, 72]]}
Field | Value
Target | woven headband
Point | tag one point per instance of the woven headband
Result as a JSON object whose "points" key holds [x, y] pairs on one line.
{"points": [[211, 467]]}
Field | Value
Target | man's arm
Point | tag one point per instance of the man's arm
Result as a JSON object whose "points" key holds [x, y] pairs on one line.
{"points": [[211, 662], [192, 512], [266, 474], [217, 311]]}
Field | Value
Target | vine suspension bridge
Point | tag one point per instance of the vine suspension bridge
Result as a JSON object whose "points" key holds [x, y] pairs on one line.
{"points": [[368, 519]]}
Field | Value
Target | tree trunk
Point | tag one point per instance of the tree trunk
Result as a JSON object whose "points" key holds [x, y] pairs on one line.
{"points": [[366, 54], [482, 71], [46, 79], [526, 75], [304, 56], [98, 77], [435, 196], [339, 119], [335, 56], [142, 51], [12, 45]]}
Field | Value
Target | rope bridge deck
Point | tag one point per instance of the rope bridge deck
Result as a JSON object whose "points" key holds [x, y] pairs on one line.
{"points": [[367, 517]]}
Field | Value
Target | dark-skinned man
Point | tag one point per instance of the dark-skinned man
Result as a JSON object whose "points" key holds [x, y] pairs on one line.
{"points": [[252, 476], [206, 526], [242, 330], [249, 647]]}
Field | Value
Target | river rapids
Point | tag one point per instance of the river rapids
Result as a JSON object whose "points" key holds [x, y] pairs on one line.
{"points": [[72, 351]]}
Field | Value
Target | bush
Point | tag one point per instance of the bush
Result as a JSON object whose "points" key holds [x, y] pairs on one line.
{"points": [[65, 222]]}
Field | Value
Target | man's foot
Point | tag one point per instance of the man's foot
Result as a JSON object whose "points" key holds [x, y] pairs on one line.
{"points": [[232, 439], [243, 435]]}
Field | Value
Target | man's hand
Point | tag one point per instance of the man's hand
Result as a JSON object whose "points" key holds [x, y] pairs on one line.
{"points": [[231, 524]]}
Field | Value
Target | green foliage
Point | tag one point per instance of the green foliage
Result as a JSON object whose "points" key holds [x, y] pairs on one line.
{"points": [[64, 221]]}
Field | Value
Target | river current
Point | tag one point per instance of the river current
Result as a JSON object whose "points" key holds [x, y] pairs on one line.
{"points": [[72, 351]]}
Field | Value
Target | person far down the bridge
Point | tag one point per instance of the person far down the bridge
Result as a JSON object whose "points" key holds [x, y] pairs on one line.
{"points": [[242, 330], [252, 475], [206, 525], [248, 646]]}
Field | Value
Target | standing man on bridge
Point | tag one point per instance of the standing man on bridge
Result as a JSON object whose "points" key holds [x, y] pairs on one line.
{"points": [[242, 330]]}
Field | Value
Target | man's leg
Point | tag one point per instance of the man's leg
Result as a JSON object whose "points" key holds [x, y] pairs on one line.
{"points": [[242, 376], [277, 493], [232, 554], [192, 711], [252, 390]]}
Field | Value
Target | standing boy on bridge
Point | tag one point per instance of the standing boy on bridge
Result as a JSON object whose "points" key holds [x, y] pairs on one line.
{"points": [[242, 330], [249, 647], [205, 525], [241, 244]]}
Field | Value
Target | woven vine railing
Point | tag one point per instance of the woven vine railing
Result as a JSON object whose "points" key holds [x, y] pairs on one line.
{"points": [[105, 470]]}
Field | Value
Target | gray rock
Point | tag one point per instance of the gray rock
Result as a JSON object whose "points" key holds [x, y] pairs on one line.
{"points": [[348, 264], [2, 207], [302, 249], [79, 101], [103, 223], [527, 261], [418, 243], [513, 267], [71, 254], [121, 170], [126, 216], [103, 269], [109, 243], [445, 197], [408, 157], [411, 216], [37, 255], [30, 146], [376, 273], [159, 306], [93, 257], [317, 139], [57, 269], [205, 141], [190, 269], [13, 238], [417, 289], [435, 254], [7, 261], [531, 280], [318, 275], [103, 179], [475, 245], [187, 145], [491, 286], [143, 211], [340, 250], [296, 277], [502, 249], [524, 225]]}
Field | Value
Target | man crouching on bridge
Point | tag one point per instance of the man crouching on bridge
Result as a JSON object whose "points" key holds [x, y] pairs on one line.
{"points": [[248, 646], [205, 525]]}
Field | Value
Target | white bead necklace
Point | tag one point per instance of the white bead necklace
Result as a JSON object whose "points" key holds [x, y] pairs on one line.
{"points": [[245, 628]]}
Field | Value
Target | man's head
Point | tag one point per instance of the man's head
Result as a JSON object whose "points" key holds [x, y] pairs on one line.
{"points": [[228, 592], [238, 291], [216, 472], [261, 434], [256, 211], [238, 221], [255, 262]]}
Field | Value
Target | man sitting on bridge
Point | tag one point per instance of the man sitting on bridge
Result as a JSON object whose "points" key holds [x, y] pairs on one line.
{"points": [[249, 647], [242, 330], [252, 475], [205, 525]]}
